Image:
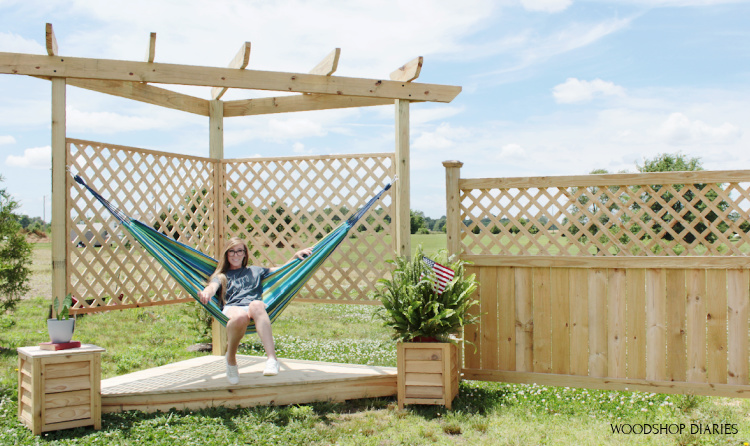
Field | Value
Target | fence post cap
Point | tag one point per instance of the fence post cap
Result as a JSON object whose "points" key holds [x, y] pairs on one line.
{"points": [[453, 163]]}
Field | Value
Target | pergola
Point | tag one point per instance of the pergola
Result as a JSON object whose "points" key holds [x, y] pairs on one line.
{"points": [[317, 89]]}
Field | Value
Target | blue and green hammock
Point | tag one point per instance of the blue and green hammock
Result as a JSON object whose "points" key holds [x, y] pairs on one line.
{"points": [[191, 268]]}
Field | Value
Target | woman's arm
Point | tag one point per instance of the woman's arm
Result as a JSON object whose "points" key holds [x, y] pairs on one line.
{"points": [[301, 254], [207, 292]]}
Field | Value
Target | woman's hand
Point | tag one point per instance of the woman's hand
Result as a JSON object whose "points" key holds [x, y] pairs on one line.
{"points": [[302, 253], [204, 296]]}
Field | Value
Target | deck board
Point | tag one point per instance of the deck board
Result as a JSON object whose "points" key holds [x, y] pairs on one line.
{"points": [[201, 382]]}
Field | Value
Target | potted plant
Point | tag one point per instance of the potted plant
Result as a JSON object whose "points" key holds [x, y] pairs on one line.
{"points": [[59, 323], [425, 323]]}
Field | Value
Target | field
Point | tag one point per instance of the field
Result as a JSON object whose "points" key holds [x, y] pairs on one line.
{"points": [[485, 413]]}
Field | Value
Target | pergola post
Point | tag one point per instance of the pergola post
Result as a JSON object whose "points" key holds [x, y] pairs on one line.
{"points": [[402, 217], [59, 192], [216, 151], [453, 206]]}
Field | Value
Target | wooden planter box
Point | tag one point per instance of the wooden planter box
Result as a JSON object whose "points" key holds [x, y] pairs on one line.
{"points": [[59, 389], [427, 373]]}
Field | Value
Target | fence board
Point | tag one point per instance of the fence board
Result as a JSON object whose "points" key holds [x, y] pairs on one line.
{"points": [[656, 337], [635, 289], [524, 320], [696, 325], [716, 284], [579, 318], [676, 298], [542, 320], [507, 318], [616, 311], [597, 281], [489, 318], [471, 332], [560, 291], [737, 302]]}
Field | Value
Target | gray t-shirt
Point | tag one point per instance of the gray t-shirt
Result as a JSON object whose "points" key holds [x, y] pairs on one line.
{"points": [[244, 285]]}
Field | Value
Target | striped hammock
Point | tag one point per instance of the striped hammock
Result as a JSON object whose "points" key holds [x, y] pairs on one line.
{"points": [[191, 268]]}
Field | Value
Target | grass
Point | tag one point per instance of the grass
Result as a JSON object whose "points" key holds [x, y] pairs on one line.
{"points": [[485, 413]]}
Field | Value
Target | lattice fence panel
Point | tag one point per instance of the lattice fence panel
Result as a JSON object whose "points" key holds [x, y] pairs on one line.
{"points": [[629, 219], [108, 269], [284, 204]]}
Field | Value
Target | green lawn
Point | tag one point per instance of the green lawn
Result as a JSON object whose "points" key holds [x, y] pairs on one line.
{"points": [[484, 413]]}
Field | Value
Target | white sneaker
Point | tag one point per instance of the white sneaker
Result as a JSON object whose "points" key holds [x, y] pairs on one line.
{"points": [[272, 367], [233, 374]]}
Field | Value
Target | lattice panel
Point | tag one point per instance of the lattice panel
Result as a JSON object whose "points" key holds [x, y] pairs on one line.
{"points": [[284, 204], [174, 193], [626, 220]]}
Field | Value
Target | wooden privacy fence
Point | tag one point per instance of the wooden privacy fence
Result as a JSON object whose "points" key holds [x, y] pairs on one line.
{"points": [[279, 205], [627, 281]]}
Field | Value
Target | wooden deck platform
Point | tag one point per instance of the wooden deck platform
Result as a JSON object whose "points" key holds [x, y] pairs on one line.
{"points": [[201, 382]]}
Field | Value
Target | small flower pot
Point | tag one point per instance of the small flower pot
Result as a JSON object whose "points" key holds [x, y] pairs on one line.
{"points": [[60, 331]]}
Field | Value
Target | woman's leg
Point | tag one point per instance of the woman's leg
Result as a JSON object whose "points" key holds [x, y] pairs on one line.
{"points": [[257, 312], [236, 327]]}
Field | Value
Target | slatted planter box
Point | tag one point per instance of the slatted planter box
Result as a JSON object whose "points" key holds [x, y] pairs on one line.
{"points": [[59, 389], [427, 373]]}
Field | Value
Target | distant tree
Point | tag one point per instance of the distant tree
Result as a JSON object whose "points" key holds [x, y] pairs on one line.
{"points": [[667, 162], [15, 255], [417, 220]]}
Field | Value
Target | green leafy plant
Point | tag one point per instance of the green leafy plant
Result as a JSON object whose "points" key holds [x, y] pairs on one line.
{"points": [[412, 306], [61, 313]]}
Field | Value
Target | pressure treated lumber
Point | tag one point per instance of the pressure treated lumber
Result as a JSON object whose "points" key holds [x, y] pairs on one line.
{"points": [[409, 71], [240, 61], [151, 53], [50, 40], [199, 383], [34, 65], [329, 64], [138, 91], [297, 103]]}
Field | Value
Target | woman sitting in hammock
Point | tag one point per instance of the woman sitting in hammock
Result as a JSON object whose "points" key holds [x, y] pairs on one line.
{"points": [[240, 288]]}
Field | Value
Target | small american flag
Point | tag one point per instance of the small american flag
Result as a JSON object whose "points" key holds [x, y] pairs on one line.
{"points": [[443, 273]]}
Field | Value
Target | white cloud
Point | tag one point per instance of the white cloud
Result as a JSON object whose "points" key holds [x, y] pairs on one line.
{"points": [[677, 3], [13, 43], [679, 129], [34, 158], [7, 139], [574, 90], [512, 151], [310, 30], [109, 122], [535, 48], [443, 137], [546, 5]]}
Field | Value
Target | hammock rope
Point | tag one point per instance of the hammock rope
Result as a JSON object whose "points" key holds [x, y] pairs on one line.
{"points": [[191, 268]]}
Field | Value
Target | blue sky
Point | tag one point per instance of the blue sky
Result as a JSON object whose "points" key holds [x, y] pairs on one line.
{"points": [[550, 87]]}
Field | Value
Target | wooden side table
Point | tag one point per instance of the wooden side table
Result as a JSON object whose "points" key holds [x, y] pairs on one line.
{"points": [[59, 389]]}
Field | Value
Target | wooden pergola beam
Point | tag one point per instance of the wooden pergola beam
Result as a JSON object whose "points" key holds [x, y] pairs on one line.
{"points": [[296, 103], [106, 69], [329, 64], [151, 54], [409, 71], [240, 61], [149, 94], [50, 40]]}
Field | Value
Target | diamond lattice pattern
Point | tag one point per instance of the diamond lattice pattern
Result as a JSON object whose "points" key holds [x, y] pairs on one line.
{"points": [[278, 205], [628, 220], [283, 205]]}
